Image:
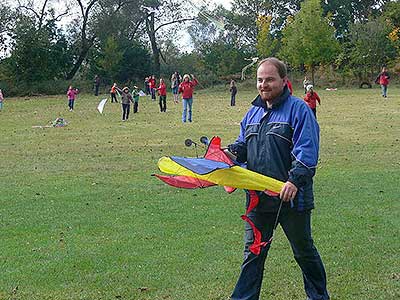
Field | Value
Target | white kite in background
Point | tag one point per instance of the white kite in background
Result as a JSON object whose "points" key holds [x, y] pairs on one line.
{"points": [[101, 105], [206, 14], [253, 61], [141, 93]]}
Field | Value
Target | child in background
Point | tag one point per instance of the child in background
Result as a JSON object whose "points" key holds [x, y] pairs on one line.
{"points": [[71, 94], [162, 92], [126, 100], [1, 100], [233, 90], [152, 87], [113, 93], [311, 99], [135, 96]]}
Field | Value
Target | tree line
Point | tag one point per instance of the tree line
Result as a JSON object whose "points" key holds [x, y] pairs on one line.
{"points": [[43, 46]]}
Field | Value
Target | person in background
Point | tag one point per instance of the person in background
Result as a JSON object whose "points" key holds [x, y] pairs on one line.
{"points": [[152, 87], [279, 138], [71, 94], [175, 82], [113, 93], [186, 88], [1, 100], [146, 86], [233, 90], [126, 100], [290, 86], [311, 99], [383, 80], [96, 85], [135, 96], [162, 92], [306, 82]]}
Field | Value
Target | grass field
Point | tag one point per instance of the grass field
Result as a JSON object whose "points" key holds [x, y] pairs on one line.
{"points": [[81, 217]]}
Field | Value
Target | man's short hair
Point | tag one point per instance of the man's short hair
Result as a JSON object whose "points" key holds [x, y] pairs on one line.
{"points": [[279, 65]]}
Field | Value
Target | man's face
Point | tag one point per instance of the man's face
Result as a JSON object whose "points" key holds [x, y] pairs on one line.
{"points": [[269, 84]]}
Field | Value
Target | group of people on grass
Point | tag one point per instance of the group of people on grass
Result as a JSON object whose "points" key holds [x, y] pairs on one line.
{"points": [[179, 85], [185, 85]]}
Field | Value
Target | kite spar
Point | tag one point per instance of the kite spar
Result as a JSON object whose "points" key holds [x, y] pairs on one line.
{"points": [[216, 168]]}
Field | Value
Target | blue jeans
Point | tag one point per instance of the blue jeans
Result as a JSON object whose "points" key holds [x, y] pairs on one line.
{"points": [[71, 104], [297, 228], [384, 90], [187, 103]]}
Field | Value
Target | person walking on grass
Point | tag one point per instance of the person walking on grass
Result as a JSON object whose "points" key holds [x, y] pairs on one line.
{"points": [[311, 99], [1, 100], [152, 87], [383, 80], [135, 96], [233, 90], [126, 100], [279, 137], [71, 94], [113, 93], [175, 82], [306, 82], [162, 92], [186, 88], [96, 85]]}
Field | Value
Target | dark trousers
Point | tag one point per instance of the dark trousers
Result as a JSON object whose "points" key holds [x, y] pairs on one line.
{"points": [[135, 107], [233, 99], [314, 110], [153, 94], [297, 228], [71, 104], [125, 111], [163, 103], [113, 98], [96, 89]]}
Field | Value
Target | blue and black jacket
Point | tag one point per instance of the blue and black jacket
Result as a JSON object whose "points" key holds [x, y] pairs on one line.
{"points": [[281, 142]]}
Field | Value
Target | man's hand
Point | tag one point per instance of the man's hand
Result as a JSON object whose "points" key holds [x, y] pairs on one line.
{"points": [[288, 192]]}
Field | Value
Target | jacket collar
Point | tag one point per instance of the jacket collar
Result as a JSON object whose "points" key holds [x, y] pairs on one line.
{"points": [[278, 101]]}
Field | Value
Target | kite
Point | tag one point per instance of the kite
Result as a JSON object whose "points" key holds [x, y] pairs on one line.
{"points": [[253, 61], [217, 168], [59, 122], [141, 93], [101, 105]]}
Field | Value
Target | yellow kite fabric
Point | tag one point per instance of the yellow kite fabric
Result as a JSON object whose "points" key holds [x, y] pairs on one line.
{"points": [[232, 176]]}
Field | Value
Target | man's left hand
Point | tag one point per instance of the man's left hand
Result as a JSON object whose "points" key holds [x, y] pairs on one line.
{"points": [[288, 192]]}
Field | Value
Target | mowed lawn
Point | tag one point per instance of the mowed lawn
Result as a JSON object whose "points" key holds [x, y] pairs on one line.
{"points": [[82, 218]]}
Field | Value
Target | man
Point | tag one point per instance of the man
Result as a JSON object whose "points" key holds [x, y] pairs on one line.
{"points": [[96, 85], [279, 137]]}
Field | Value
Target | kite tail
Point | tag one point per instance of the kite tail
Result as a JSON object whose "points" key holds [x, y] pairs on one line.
{"points": [[255, 247]]}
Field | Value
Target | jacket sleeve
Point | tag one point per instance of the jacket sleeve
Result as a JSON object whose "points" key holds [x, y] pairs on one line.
{"points": [[305, 147]]}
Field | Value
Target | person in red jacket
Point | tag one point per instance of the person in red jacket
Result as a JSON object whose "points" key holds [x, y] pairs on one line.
{"points": [[162, 92], [187, 88], [311, 99], [290, 86], [152, 87], [383, 80]]}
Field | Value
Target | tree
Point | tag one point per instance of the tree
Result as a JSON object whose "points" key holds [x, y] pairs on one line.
{"points": [[369, 47], [309, 39], [40, 49], [345, 12], [241, 21], [266, 43], [158, 16], [111, 58]]}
